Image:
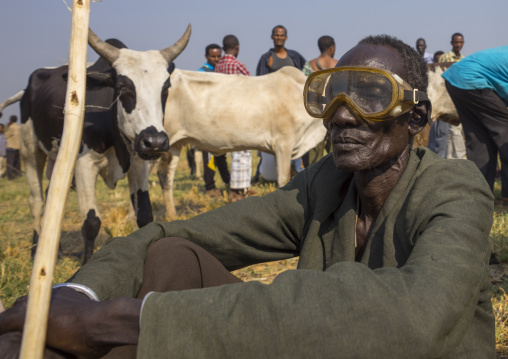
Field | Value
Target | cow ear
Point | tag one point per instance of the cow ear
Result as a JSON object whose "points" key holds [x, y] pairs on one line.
{"points": [[420, 116], [171, 67], [98, 80]]}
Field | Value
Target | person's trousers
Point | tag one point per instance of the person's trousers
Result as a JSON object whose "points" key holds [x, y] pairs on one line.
{"points": [[177, 264], [484, 117], [13, 164], [438, 137], [208, 174], [190, 153], [456, 147], [241, 170]]}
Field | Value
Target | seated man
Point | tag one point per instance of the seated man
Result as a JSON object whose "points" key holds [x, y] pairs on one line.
{"points": [[393, 247]]}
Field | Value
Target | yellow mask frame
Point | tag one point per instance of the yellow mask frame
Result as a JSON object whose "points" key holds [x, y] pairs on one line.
{"points": [[319, 105]]}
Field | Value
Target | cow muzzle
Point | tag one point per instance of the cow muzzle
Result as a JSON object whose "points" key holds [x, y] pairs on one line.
{"points": [[150, 143]]}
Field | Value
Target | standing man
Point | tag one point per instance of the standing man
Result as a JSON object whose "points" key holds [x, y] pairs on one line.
{"points": [[241, 161], [326, 45], [3, 151], [455, 143], [13, 137], [454, 55], [278, 56], [421, 46], [213, 54], [478, 86], [437, 55], [273, 60]]}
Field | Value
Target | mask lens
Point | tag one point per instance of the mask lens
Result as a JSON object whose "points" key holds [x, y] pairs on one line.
{"points": [[370, 92], [316, 95]]}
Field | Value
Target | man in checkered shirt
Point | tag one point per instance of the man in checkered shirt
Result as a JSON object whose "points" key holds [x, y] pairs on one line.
{"points": [[241, 161]]}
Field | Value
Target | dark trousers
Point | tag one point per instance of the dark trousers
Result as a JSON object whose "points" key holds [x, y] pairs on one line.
{"points": [[13, 164], [484, 118], [208, 174], [177, 264], [191, 159], [438, 137]]}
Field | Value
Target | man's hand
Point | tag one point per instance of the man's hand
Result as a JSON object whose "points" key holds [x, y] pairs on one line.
{"points": [[80, 326], [10, 345]]}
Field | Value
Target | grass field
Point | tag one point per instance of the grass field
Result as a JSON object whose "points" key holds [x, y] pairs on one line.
{"points": [[117, 219]]}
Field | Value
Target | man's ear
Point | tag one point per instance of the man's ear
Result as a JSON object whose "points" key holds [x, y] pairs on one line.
{"points": [[420, 116]]}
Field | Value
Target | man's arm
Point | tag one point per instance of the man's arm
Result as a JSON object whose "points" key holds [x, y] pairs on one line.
{"points": [[422, 309], [254, 230], [298, 59], [262, 68]]}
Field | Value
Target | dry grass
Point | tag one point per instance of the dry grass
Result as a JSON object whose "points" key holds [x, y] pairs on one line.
{"points": [[118, 219]]}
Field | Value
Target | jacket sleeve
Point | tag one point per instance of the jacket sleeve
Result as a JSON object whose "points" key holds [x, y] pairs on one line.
{"points": [[298, 59], [420, 310], [254, 230], [262, 68]]}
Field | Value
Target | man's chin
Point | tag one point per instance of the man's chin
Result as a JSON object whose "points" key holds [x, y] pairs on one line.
{"points": [[346, 165]]}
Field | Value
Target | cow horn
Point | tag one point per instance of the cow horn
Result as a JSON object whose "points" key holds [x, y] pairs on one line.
{"points": [[171, 53], [110, 53]]}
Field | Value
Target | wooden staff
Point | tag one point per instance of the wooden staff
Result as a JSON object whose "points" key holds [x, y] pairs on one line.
{"points": [[34, 333]]}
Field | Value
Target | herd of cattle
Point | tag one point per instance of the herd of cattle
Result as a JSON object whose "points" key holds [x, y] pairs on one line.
{"points": [[139, 108]]}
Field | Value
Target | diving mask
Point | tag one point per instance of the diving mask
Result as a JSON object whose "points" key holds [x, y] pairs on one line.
{"points": [[376, 94]]}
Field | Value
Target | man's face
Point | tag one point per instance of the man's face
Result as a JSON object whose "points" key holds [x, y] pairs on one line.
{"points": [[360, 144], [437, 57], [421, 46], [213, 56], [457, 43], [279, 37]]}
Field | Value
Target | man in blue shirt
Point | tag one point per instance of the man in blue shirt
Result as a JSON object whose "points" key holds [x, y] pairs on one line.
{"points": [[478, 86], [213, 54]]}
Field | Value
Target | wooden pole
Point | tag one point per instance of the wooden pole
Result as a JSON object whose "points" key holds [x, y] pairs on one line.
{"points": [[39, 294]]}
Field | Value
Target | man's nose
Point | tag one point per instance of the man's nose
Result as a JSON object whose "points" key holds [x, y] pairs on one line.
{"points": [[344, 116]]}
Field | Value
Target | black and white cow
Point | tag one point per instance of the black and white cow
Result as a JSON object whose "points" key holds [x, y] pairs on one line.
{"points": [[123, 127]]}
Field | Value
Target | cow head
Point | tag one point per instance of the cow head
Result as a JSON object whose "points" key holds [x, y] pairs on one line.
{"points": [[141, 84]]}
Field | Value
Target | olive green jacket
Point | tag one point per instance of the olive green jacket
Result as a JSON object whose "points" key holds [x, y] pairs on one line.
{"points": [[421, 289]]}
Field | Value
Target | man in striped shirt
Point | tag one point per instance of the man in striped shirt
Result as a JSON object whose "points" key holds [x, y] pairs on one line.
{"points": [[241, 161]]}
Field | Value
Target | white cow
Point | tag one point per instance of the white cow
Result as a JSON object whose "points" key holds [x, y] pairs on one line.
{"points": [[221, 113], [442, 104]]}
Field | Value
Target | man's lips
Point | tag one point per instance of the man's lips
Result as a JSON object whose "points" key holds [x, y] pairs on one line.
{"points": [[346, 142]]}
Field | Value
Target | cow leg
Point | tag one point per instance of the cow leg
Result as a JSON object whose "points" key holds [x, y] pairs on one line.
{"points": [[198, 158], [85, 174], [283, 163], [34, 159], [138, 185], [167, 169]]}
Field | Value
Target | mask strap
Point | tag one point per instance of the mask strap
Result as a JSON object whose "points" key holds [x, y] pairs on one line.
{"points": [[414, 96]]}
